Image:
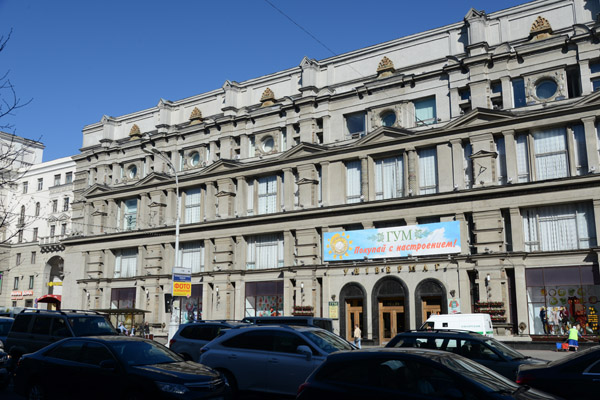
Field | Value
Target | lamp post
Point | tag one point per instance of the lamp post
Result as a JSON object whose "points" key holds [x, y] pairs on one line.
{"points": [[174, 324]]}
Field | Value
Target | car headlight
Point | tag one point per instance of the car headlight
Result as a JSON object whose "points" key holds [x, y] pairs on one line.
{"points": [[172, 388]]}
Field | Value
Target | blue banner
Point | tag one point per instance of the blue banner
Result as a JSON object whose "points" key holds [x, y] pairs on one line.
{"points": [[402, 241]]}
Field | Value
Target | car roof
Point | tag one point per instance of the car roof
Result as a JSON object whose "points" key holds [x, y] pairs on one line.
{"points": [[214, 322], [347, 355], [111, 338], [67, 312], [284, 327], [6, 319]]}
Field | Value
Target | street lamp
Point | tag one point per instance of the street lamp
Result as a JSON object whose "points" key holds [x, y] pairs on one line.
{"points": [[174, 324]]}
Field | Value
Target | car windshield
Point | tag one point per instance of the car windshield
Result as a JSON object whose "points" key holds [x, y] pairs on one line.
{"points": [[327, 341], [91, 326], [504, 349], [135, 353], [480, 374]]}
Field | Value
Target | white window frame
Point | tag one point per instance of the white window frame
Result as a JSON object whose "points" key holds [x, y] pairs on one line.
{"points": [[129, 214], [353, 182], [193, 205], [548, 154], [267, 194], [264, 251], [126, 263], [192, 255], [389, 178], [428, 175]]}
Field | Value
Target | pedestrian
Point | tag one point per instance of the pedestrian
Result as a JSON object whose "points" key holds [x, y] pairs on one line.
{"points": [[357, 336], [146, 330], [574, 337], [132, 333], [122, 329]]}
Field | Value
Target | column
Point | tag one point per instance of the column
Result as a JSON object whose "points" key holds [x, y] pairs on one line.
{"points": [[412, 183], [510, 146], [591, 143], [458, 176], [364, 177]]}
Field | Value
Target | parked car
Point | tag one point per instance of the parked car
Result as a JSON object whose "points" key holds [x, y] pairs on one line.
{"points": [[191, 337], [485, 350], [409, 373], [576, 376], [35, 329], [5, 324], [275, 359], [114, 367], [4, 369], [323, 323]]}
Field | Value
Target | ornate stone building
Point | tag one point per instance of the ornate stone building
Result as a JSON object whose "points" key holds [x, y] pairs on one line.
{"points": [[487, 126]]}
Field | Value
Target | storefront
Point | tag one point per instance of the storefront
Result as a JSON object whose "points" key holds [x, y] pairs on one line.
{"points": [[559, 297], [191, 307], [264, 299]]}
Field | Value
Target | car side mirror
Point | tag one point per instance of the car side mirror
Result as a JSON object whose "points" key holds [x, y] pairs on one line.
{"points": [[108, 364], [303, 349]]}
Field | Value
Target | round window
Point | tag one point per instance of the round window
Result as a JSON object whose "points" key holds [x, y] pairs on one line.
{"points": [[195, 159], [268, 144], [132, 171], [545, 89], [388, 119]]}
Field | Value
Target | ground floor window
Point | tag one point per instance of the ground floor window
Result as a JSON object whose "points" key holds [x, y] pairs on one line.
{"points": [[264, 299], [122, 298], [559, 297], [191, 307]]}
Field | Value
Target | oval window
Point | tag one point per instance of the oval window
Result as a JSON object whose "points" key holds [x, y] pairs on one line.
{"points": [[268, 144], [388, 119], [132, 171], [195, 159], [545, 89]]}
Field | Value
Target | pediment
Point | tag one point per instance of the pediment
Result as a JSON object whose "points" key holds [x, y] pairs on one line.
{"points": [[154, 177], [593, 98], [63, 217], [96, 188], [156, 204], [221, 166], [302, 149], [307, 180], [479, 116], [484, 154], [384, 134]]}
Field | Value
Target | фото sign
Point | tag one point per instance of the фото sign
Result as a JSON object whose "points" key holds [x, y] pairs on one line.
{"points": [[182, 285], [402, 241]]}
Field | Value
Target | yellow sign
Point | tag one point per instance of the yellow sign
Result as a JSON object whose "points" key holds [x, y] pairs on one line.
{"points": [[333, 309], [182, 288], [54, 283]]}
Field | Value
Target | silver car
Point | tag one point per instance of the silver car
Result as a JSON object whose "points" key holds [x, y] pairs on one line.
{"points": [[275, 359]]}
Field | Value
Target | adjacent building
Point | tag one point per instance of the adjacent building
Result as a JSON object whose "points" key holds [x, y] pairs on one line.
{"points": [[453, 170]]}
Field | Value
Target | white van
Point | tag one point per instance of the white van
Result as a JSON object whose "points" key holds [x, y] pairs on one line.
{"points": [[479, 323]]}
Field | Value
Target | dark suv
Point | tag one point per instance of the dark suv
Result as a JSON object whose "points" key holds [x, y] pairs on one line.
{"points": [[485, 350], [191, 337], [34, 329], [323, 323]]}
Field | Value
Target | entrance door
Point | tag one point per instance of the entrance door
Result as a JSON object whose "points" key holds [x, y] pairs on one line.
{"points": [[354, 315], [431, 306], [391, 318]]}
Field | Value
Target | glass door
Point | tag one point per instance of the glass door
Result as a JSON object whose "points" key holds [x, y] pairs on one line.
{"points": [[354, 315]]}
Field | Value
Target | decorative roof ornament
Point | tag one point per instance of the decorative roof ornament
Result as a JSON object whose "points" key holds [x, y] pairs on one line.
{"points": [[540, 29], [385, 68], [195, 116], [268, 98], [135, 132]]}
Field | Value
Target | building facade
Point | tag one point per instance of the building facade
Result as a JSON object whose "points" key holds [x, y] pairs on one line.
{"points": [[486, 128]]}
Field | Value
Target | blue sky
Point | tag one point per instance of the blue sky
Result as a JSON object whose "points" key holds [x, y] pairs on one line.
{"points": [[78, 60]]}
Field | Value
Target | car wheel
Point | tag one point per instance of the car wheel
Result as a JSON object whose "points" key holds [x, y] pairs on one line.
{"points": [[36, 392], [230, 380]]}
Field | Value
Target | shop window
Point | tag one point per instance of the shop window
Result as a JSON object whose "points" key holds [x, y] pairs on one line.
{"points": [[561, 227], [425, 112], [191, 255], [192, 205], [264, 251], [122, 298], [264, 299], [191, 307], [427, 171], [129, 214], [353, 182], [389, 178], [518, 87], [125, 263], [356, 124]]}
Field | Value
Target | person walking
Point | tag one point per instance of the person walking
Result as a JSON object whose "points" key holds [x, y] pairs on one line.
{"points": [[574, 337], [357, 336]]}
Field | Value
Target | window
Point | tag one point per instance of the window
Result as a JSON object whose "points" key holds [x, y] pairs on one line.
{"points": [[195, 159], [37, 209], [125, 263], [267, 194], [54, 206], [353, 182], [545, 89], [52, 230], [33, 257], [69, 177], [31, 277], [562, 227], [388, 118], [355, 124], [192, 205], [130, 214], [57, 180], [40, 184], [251, 147], [264, 251], [132, 172], [268, 144], [35, 234], [522, 159], [501, 160], [425, 112], [595, 75], [496, 96], [122, 298], [66, 204], [192, 256], [16, 283], [427, 171], [389, 178], [518, 86], [22, 216], [550, 151], [18, 259], [63, 229], [20, 236], [25, 187]]}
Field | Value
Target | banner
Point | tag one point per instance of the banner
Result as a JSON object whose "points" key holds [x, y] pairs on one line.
{"points": [[182, 285], [402, 241]]}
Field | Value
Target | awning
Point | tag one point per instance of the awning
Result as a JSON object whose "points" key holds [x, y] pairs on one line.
{"points": [[49, 298]]}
